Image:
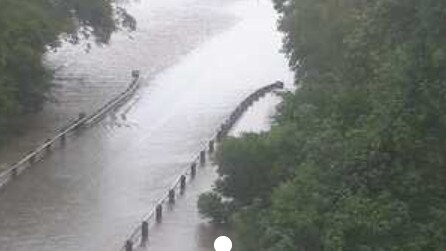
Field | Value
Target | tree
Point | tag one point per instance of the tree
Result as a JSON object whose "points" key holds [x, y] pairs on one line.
{"points": [[245, 169], [28, 29], [365, 133]]}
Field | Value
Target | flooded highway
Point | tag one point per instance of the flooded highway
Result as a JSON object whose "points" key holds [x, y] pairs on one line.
{"points": [[198, 59], [183, 228]]}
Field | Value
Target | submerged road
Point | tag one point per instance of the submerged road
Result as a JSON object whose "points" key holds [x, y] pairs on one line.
{"points": [[183, 228], [90, 194]]}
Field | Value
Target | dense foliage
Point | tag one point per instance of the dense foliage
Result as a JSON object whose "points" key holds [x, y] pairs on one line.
{"points": [[357, 160], [28, 29]]}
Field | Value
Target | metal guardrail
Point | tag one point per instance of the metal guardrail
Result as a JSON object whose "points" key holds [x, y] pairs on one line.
{"points": [[140, 234], [29, 159]]}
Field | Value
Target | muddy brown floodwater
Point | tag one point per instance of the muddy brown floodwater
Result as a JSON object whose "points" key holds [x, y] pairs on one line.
{"points": [[199, 59]]}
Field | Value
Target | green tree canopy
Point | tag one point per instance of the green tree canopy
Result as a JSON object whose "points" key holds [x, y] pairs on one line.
{"points": [[365, 132], [28, 28]]}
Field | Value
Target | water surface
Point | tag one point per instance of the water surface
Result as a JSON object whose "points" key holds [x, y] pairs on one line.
{"points": [[90, 194]]}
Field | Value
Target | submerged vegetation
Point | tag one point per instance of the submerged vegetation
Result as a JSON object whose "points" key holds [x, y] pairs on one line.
{"points": [[357, 157], [28, 29]]}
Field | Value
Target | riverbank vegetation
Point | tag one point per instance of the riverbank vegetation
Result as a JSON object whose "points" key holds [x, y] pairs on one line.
{"points": [[28, 29], [356, 159]]}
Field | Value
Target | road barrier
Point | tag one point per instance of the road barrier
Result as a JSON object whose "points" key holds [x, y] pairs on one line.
{"points": [[83, 120], [140, 235]]}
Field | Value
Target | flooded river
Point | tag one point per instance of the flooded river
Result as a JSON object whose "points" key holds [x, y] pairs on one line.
{"points": [[199, 58]]}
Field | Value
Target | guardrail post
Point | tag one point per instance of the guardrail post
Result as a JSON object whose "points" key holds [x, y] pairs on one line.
{"points": [[224, 129], [233, 117], [14, 172], [171, 196], [193, 169], [182, 184], [128, 245], [135, 74], [279, 84], [256, 96], [211, 146], [244, 105], [219, 136], [239, 111], [159, 213], [63, 139], [202, 157], [231, 121], [144, 232]]}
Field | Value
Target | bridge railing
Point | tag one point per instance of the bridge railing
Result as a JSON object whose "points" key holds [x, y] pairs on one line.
{"points": [[140, 235], [37, 154]]}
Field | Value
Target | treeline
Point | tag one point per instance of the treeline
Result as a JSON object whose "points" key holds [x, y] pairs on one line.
{"points": [[357, 157], [28, 29]]}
